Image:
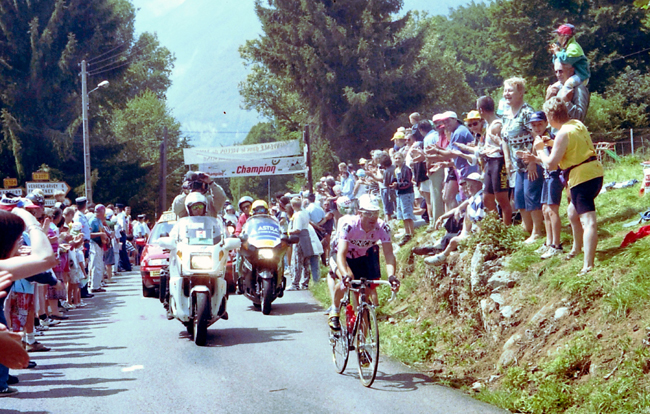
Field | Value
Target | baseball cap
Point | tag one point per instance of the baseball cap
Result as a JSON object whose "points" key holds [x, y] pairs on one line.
{"points": [[474, 177], [473, 115], [361, 172], [566, 29], [538, 116], [398, 135], [449, 114]]}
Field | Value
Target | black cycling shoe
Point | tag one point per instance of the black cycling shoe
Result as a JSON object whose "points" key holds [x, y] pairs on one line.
{"points": [[334, 323]]}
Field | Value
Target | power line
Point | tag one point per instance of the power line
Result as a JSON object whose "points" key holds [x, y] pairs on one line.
{"points": [[105, 66], [106, 53], [109, 58], [109, 69]]}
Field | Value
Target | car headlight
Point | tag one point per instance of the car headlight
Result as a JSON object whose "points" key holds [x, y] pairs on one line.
{"points": [[201, 262], [157, 262], [266, 253]]}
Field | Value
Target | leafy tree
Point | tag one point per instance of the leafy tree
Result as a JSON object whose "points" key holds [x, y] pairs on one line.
{"points": [[138, 130]]}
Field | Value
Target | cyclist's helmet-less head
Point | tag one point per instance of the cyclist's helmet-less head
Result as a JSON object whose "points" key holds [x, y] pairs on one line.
{"points": [[259, 207], [196, 204]]}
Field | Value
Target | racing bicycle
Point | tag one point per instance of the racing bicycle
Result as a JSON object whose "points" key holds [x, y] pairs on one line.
{"points": [[359, 332]]}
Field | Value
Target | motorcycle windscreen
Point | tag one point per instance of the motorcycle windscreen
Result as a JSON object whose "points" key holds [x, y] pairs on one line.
{"points": [[263, 231], [200, 230]]}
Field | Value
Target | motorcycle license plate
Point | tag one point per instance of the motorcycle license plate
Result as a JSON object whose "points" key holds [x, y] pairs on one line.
{"points": [[155, 273]]}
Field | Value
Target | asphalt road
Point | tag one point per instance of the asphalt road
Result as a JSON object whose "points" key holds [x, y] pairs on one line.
{"points": [[121, 355]]}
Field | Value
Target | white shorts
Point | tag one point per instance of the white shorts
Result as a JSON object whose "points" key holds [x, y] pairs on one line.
{"points": [[425, 186]]}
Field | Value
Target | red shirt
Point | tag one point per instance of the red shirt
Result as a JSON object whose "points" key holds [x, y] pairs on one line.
{"points": [[240, 223]]}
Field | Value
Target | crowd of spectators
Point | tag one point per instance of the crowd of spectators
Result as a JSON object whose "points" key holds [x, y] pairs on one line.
{"points": [[51, 259]]}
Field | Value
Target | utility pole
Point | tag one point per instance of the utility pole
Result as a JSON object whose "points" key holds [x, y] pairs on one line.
{"points": [[163, 172], [84, 117]]}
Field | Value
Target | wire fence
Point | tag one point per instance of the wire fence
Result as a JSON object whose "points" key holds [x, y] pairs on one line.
{"points": [[630, 141]]}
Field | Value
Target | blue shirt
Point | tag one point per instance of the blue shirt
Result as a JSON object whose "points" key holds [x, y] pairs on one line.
{"points": [[80, 218], [95, 227], [316, 213], [462, 135], [347, 186], [431, 138]]}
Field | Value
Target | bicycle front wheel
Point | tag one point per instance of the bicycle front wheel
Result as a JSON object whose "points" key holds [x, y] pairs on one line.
{"points": [[340, 346], [367, 346]]}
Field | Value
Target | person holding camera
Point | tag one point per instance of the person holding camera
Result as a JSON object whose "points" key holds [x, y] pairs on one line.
{"points": [[196, 181]]}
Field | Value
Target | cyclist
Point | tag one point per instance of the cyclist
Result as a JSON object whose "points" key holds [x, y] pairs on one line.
{"points": [[356, 253]]}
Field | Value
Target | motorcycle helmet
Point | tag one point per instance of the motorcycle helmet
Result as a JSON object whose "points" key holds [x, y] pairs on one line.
{"points": [[36, 198], [345, 205], [368, 203], [245, 199], [260, 207], [192, 203]]}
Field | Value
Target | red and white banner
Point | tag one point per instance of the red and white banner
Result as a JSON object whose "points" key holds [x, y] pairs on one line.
{"points": [[241, 152], [255, 167]]}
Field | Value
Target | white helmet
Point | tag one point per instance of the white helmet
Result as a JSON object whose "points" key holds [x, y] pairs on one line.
{"points": [[194, 198], [345, 205], [368, 203], [245, 199]]}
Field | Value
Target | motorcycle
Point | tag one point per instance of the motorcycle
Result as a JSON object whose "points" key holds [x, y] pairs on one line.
{"points": [[193, 284], [261, 272]]}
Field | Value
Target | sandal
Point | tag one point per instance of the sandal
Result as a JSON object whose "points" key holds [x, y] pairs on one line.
{"points": [[584, 271]]}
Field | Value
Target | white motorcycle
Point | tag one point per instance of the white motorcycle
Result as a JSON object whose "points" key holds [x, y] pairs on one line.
{"points": [[194, 286]]}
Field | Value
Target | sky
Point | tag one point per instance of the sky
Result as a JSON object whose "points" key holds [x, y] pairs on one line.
{"points": [[204, 37]]}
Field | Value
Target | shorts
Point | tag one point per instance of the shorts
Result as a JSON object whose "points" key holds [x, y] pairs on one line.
{"points": [[552, 190], [58, 291], [365, 266], [496, 176], [451, 175], [388, 200], [405, 206], [425, 186], [109, 257], [528, 194], [75, 276], [583, 195]]}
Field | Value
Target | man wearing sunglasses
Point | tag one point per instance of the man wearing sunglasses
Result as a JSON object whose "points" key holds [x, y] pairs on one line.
{"points": [[355, 253]]}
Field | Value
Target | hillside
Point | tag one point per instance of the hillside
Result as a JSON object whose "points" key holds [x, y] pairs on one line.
{"points": [[529, 335], [205, 36]]}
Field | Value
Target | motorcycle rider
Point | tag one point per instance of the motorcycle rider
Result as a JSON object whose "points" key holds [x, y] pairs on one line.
{"points": [[198, 182], [245, 204], [196, 204], [259, 207], [356, 253]]}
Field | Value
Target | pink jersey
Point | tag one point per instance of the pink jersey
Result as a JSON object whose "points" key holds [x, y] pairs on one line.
{"points": [[358, 240]]}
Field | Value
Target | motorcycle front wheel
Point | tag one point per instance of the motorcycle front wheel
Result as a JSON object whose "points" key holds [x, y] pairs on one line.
{"points": [[201, 317], [267, 296]]}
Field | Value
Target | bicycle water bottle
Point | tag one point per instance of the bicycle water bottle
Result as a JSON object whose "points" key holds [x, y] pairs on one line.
{"points": [[350, 317]]}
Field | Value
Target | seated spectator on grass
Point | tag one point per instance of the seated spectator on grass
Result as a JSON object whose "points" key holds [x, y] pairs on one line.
{"points": [[573, 151], [473, 186]]}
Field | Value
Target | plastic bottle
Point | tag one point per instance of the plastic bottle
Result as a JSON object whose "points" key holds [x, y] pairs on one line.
{"points": [[350, 317]]}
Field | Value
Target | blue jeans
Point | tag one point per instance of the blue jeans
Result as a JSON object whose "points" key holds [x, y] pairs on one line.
{"points": [[4, 371], [315, 268]]}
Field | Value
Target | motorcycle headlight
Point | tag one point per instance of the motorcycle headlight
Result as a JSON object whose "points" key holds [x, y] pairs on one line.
{"points": [[201, 262], [266, 253], [157, 262]]}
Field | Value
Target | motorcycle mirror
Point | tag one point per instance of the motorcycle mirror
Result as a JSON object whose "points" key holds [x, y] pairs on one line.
{"points": [[231, 243], [166, 243]]}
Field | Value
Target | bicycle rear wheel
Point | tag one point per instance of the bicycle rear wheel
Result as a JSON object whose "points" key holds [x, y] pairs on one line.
{"points": [[367, 345], [340, 346]]}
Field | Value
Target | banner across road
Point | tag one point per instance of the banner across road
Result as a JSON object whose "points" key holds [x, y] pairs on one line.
{"points": [[255, 167], [241, 152]]}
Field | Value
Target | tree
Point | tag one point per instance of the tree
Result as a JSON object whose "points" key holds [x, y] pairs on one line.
{"points": [[138, 130]]}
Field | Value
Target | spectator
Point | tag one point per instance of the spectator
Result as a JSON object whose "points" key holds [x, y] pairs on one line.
{"points": [[518, 140], [435, 173], [568, 51], [402, 183], [98, 239], [573, 151], [577, 101], [303, 250]]}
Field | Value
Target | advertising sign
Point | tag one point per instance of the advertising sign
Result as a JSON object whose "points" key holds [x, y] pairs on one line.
{"points": [[255, 167], [48, 188], [241, 152]]}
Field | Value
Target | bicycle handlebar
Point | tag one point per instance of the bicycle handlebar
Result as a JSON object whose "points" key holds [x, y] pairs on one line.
{"points": [[378, 282]]}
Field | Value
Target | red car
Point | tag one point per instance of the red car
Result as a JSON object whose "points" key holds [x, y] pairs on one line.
{"points": [[153, 256]]}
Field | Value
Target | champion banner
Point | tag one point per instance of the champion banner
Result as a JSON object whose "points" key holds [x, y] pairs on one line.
{"points": [[256, 167], [241, 152]]}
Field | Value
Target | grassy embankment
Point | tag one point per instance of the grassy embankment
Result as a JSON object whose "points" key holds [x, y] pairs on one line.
{"points": [[595, 360]]}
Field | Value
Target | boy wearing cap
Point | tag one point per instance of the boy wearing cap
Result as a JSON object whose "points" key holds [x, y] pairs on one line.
{"points": [[567, 50], [551, 189]]}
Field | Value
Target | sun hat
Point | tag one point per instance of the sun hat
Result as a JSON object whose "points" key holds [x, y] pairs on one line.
{"points": [[449, 114], [398, 135]]}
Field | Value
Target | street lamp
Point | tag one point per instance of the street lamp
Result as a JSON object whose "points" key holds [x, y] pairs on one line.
{"points": [[84, 116]]}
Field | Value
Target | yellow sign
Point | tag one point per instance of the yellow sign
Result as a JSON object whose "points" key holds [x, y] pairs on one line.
{"points": [[10, 182], [41, 176]]}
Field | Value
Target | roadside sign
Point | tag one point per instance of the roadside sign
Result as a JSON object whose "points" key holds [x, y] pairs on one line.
{"points": [[48, 188], [15, 191], [49, 202], [41, 176], [10, 182]]}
